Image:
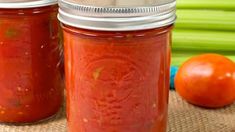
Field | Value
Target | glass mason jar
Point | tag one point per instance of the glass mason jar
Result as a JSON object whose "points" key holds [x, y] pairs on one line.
{"points": [[31, 85], [117, 59]]}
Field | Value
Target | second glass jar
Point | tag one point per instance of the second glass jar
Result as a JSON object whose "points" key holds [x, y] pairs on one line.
{"points": [[31, 84]]}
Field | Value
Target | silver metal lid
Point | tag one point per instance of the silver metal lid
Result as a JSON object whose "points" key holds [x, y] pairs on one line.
{"points": [[117, 15], [14, 4]]}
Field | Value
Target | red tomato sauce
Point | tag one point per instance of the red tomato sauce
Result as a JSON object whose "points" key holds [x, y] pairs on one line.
{"points": [[117, 81], [31, 85]]}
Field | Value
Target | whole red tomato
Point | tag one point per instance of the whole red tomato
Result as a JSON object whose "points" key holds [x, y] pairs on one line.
{"points": [[207, 80]]}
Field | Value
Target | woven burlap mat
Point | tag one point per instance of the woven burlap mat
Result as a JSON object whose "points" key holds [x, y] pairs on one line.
{"points": [[183, 117]]}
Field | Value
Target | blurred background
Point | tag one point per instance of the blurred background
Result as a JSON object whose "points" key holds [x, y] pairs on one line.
{"points": [[203, 26]]}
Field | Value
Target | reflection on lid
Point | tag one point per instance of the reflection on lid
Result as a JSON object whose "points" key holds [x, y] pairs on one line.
{"points": [[121, 3], [117, 15]]}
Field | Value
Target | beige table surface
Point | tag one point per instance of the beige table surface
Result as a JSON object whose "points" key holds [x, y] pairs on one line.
{"points": [[183, 117]]}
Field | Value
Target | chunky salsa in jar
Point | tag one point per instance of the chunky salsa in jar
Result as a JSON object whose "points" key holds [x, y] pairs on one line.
{"points": [[31, 85], [117, 73]]}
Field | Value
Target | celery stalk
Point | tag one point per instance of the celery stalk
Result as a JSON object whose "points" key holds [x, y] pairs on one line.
{"points": [[206, 4], [205, 19], [179, 57], [178, 61], [203, 40], [180, 53]]}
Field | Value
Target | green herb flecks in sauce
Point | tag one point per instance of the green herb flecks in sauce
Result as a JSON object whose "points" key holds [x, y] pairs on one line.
{"points": [[97, 72], [11, 33], [15, 102]]}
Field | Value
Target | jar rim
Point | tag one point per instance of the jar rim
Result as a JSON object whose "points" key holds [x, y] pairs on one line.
{"points": [[116, 18], [26, 4]]}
